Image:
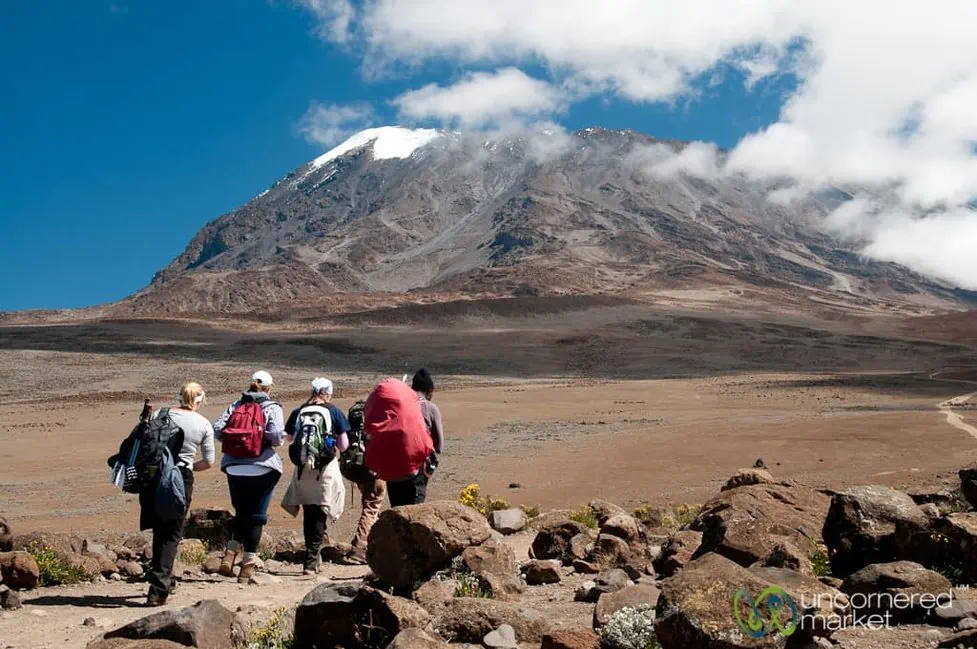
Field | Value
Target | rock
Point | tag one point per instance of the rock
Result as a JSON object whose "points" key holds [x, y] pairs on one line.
{"points": [[930, 510], [694, 609], [491, 557], [946, 500], [743, 524], [409, 543], [677, 552], [957, 611], [897, 637], [509, 521], [6, 533], [335, 552], [746, 477], [610, 552], [581, 546], [899, 590], [553, 540], [785, 554], [501, 587], [9, 600], [632, 596], [587, 592], [822, 607], [342, 615], [612, 581], [106, 567], [623, 526], [503, 637], [63, 544], [469, 619], [285, 545], [571, 639], [968, 484], [115, 577], [433, 595], [206, 625], [604, 510], [964, 639], [212, 526], [967, 624], [264, 579], [89, 565], [19, 570], [417, 639], [834, 582], [211, 565], [122, 553], [953, 544], [88, 621], [873, 524], [90, 548], [585, 567], [549, 518], [539, 572], [122, 643]]}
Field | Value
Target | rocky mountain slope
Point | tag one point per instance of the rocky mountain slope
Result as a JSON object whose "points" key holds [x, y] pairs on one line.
{"points": [[395, 210]]}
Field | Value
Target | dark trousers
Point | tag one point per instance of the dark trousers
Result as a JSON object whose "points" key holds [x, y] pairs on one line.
{"points": [[166, 541], [412, 491], [250, 497], [314, 526]]}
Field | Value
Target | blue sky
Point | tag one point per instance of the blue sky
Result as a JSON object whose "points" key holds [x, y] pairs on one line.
{"points": [[126, 125]]}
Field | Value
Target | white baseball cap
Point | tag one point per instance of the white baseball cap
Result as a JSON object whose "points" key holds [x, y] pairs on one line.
{"points": [[322, 384], [262, 377]]}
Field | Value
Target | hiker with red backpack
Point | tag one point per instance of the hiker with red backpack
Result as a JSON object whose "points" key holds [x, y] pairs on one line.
{"points": [[250, 430], [399, 447], [317, 432]]}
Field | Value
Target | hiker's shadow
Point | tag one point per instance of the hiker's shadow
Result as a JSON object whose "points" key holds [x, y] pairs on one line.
{"points": [[90, 601]]}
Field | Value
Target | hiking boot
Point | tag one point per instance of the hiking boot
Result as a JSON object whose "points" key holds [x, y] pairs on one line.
{"points": [[154, 598], [227, 564], [357, 557], [247, 572], [312, 565]]}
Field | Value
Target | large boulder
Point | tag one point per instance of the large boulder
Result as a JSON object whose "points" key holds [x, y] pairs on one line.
{"points": [[744, 524], [6, 534], [904, 591], [539, 572], [347, 616], [695, 607], [571, 639], [623, 526], [490, 557], [553, 540], [205, 625], [434, 595], [872, 524], [968, 484], [212, 526], [635, 596], [417, 639], [410, 543], [19, 570], [508, 521], [954, 544], [610, 552], [787, 555], [468, 619], [747, 477], [677, 552], [63, 544], [604, 510], [822, 607]]}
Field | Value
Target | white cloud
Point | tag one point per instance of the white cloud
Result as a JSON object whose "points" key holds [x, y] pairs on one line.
{"points": [[329, 124], [334, 18], [886, 92], [481, 98], [698, 159]]}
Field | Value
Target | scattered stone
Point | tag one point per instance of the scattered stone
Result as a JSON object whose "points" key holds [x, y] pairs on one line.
{"points": [[90, 548], [585, 567], [503, 637], [539, 572], [9, 600], [501, 587], [211, 565], [264, 579], [743, 524], [632, 596], [417, 639], [964, 639], [898, 581], [409, 543], [610, 552], [623, 526], [468, 619], [967, 624], [746, 477], [604, 510], [958, 611], [490, 557], [115, 577], [785, 554], [824, 602], [63, 544], [553, 540], [677, 552], [571, 639], [272, 566], [6, 533], [612, 581], [509, 521], [587, 592], [872, 524], [19, 570], [515, 485], [206, 624], [212, 526], [930, 510], [581, 546], [89, 621], [759, 464], [433, 595], [336, 552], [955, 544]]}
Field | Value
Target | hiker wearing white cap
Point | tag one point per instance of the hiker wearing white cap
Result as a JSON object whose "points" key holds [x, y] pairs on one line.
{"points": [[249, 431], [317, 434]]}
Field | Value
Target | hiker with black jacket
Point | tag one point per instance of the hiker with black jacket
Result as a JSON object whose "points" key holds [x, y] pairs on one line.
{"points": [[197, 436], [317, 432], [250, 430]]}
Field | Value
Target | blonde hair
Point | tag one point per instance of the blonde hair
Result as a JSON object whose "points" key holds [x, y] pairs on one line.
{"points": [[192, 394]]}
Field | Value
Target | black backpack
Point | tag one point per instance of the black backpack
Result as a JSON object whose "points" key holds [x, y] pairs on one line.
{"points": [[142, 453], [352, 463]]}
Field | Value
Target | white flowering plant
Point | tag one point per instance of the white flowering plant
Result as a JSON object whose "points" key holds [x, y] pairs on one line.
{"points": [[630, 628]]}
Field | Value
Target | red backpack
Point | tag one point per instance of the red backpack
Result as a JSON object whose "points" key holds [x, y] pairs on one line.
{"points": [[398, 442], [244, 432]]}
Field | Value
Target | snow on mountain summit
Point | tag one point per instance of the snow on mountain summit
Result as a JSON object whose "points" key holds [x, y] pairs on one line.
{"points": [[388, 142]]}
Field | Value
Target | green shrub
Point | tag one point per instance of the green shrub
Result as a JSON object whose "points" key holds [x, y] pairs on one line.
{"points": [[54, 569], [193, 556], [820, 561], [276, 633], [585, 516], [470, 586], [531, 511], [680, 517]]}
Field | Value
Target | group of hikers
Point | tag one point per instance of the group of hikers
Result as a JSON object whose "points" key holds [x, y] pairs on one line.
{"points": [[387, 445]]}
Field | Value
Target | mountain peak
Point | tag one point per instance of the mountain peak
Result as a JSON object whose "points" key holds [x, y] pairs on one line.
{"points": [[388, 142]]}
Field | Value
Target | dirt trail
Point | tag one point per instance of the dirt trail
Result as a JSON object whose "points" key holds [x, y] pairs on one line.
{"points": [[954, 418]]}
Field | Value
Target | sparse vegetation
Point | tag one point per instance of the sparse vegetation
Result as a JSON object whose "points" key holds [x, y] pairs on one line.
{"points": [[585, 516], [531, 511], [680, 517], [276, 633], [470, 586], [630, 628], [193, 555], [820, 561], [946, 562], [471, 496], [54, 569]]}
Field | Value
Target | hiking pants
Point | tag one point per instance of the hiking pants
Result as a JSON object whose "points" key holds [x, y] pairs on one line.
{"points": [[314, 526], [166, 542], [412, 491], [250, 497], [372, 494]]}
